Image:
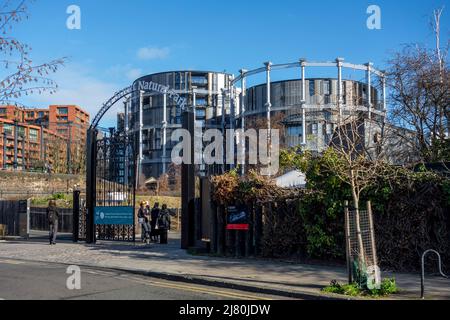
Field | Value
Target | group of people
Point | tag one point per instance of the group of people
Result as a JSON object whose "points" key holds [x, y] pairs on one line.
{"points": [[155, 222]]}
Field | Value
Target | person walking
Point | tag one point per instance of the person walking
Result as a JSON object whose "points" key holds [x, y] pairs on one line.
{"points": [[53, 219], [154, 220], [143, 216], [164, 224]]}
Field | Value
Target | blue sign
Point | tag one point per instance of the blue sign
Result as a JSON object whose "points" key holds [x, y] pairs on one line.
{"points": [[114, 215]]}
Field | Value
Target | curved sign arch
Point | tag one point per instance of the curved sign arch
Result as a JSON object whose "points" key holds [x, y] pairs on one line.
{"points": [[138, 87]]}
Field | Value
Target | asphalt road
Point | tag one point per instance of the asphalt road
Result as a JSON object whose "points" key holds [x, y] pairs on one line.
{"points": [[38, 281]]}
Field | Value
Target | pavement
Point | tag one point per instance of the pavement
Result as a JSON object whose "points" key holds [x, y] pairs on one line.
{"points": [[24, 280], [169, 262]]}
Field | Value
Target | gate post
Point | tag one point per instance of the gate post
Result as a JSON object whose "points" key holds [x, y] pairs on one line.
{"points": [[90, 184], [76, 216], [188, 236]]}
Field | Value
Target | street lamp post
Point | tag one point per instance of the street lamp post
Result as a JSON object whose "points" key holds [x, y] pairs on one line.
{"points": [[243, 111], [303, 102], [269, 109]]}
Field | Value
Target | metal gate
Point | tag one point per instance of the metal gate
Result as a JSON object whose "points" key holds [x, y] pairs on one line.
{"points": [[108, 211], [115, 181]]}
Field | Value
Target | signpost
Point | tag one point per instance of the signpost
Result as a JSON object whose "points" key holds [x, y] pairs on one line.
{"points": [[114, 216], [24, 218], [237, 218]]}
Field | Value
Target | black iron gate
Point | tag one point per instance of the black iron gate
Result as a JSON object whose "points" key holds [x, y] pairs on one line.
{"points": [[111, 182], [79, 216], [115, 183]]}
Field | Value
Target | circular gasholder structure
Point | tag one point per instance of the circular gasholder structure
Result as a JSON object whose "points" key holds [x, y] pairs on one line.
{"points": [[307, 108]]}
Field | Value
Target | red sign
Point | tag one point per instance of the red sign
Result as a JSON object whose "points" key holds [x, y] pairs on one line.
{"points": [[240, 227]]}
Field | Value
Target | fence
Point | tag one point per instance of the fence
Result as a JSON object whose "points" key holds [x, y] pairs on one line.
{"points": [[10, 217], [39, 221], [27, 194]]}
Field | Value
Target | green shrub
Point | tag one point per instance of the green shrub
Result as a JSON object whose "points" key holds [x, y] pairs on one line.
{"points": [[388, 287], [59, 196]]}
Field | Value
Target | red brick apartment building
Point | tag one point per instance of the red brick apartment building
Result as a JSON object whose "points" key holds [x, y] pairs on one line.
{"points": [[53, 138]]}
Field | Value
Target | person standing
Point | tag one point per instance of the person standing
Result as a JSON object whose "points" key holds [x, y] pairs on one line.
{"points": [[154, 219], [164, 224], [53, 219], [144, 221]]}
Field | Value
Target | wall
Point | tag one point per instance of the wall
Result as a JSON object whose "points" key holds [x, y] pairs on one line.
{"points": [[15, 184]]}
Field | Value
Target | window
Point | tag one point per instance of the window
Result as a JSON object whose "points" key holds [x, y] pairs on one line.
{"points": [[312, 88], [63, 111], [8, 129], [295, 131], [199, 80], [33, 135], [201, 102], [200, 123], [2, 110], [330, 128], [200, 113], [326, 87], [315, 129]]}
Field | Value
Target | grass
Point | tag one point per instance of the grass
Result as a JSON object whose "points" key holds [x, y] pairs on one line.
{"points": [[388, 287], [62, 200], [172, 202], [66, 201]]}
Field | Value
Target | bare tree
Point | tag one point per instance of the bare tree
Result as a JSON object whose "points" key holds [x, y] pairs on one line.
{"points": [[20, 76], [418, 78], [356, 157]]}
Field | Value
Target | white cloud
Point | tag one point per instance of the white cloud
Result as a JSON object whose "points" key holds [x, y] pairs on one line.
{"points": [[153, 53], [78, 85], [133, 74], [127, 71]]}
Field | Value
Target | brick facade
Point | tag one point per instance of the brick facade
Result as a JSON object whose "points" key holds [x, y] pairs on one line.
{"points": [[43, 138]]}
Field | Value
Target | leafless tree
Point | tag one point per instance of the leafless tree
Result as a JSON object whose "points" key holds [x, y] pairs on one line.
{"points": [[356, 157], [418, 78], [20, 76]]}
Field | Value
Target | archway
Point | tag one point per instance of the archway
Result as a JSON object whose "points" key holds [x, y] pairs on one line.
{"points": [[111, 173]]}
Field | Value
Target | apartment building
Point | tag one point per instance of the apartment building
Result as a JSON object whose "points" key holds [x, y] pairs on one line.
{"points": [[30, 147], [69, 121], [60, 129]]}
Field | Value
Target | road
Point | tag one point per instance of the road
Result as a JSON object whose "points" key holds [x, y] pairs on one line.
{"points": [[21, 280]]}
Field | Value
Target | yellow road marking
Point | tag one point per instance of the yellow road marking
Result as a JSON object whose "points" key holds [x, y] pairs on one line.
{"points": [[14, 262], [199, 289]]}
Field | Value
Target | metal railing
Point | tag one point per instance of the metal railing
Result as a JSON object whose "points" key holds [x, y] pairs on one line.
{"points": [[423, 270], [39, 220]]}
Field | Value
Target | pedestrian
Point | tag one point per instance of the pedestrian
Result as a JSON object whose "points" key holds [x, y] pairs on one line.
{"points": [[154, 219], [164, 224], [53, 219], [143, 216]]}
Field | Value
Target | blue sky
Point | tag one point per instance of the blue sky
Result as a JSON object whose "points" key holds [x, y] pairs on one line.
{"points": [[121, 40]]}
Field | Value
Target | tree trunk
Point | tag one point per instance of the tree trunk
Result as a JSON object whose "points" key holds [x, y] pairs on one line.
{"points": [[357, 220]]}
